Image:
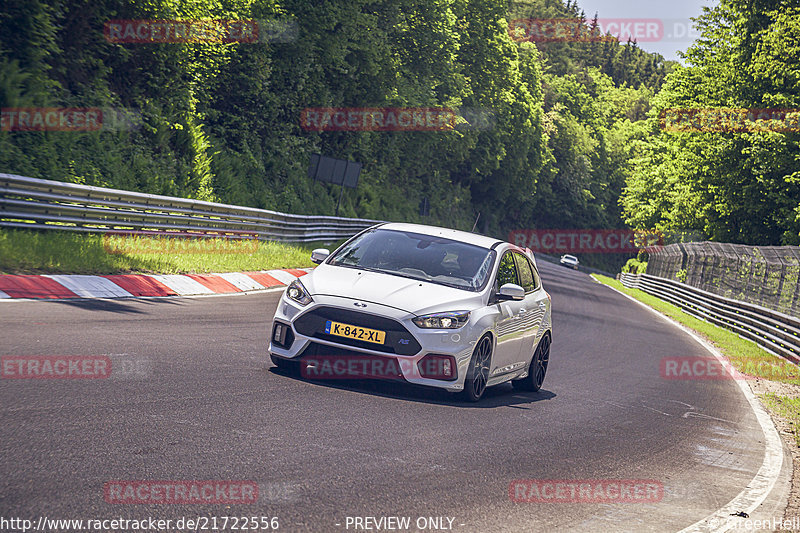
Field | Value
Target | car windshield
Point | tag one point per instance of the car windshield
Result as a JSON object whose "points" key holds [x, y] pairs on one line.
{"points": [[417, 256]]}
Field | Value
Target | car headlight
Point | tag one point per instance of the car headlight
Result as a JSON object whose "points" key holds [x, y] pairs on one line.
{"points": [[450, 320], [295, 291]]}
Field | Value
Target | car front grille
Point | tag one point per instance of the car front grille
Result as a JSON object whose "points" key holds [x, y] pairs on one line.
{"points": [[398, 340]]}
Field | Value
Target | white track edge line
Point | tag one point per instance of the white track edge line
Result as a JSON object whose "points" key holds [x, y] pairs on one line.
{"points": [[764, 481]]}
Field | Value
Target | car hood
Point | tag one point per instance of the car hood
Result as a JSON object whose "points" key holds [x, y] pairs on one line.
{"points": [[413, 296]]}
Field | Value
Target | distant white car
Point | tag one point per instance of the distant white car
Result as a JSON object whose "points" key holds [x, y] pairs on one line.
{"points": [[569, 261], [443, 308]]}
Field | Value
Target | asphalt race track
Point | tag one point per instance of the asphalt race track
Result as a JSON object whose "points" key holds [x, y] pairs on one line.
{"points": [[196, 398]]}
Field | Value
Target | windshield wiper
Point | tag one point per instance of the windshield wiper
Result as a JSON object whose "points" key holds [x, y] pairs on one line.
{"points": [[395, 273]]}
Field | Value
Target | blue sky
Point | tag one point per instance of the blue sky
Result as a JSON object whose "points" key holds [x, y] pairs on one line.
{"points": [[672, 31]]}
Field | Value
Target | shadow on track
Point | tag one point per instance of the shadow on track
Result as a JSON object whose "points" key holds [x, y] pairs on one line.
{"points": [[116, 305], [498, 396]]}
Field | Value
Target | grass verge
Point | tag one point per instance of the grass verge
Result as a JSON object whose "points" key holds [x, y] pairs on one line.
{"points": [[787, 407], [64, 252], [747, 357]]}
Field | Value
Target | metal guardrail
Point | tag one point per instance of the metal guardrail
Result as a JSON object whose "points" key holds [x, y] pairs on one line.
{"points": [[763, 275], [44, 204], [776, 332]]}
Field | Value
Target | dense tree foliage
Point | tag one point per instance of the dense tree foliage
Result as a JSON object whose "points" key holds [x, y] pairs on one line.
{"points": [[222, 121], [741, 187]]}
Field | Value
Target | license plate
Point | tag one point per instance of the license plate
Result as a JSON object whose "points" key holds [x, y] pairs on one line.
{"points": [[355, 332]]}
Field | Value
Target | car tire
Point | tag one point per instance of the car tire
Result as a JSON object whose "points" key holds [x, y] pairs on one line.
{"points": [[537, 369], [478, 370]]}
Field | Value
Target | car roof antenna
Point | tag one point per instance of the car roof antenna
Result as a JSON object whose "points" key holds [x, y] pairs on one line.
{"points": [[475, 225]]}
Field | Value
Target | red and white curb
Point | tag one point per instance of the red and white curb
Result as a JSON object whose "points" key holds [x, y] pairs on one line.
{"points": [[142, 285]]}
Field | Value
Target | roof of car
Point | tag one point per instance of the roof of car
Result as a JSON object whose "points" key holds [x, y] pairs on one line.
{"points": [[462, 236]]}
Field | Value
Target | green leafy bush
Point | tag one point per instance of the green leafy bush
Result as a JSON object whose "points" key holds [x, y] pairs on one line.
{"points": [[635, 266]]}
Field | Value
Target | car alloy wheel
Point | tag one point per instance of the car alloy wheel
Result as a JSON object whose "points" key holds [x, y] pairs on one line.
{"points": [[538, 368], [478, 371]]}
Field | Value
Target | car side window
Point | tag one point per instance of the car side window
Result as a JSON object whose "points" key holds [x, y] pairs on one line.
{"points": [[527, 281], [507, 271], [537, 280]]}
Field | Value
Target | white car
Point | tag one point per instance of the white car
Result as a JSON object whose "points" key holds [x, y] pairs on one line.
{"points": [[569, 261], [431, 306]]}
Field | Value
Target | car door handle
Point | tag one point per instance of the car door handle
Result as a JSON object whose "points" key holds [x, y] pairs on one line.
{"points": [[522, 311], [542, 306]]}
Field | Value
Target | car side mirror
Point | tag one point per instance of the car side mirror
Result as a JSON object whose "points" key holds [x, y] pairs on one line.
{"points": [[511, 291], [319, 255]]}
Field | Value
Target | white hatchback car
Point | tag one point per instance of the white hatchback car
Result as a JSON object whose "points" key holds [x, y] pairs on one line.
{"points": [[431, 306], [569, 261]]}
